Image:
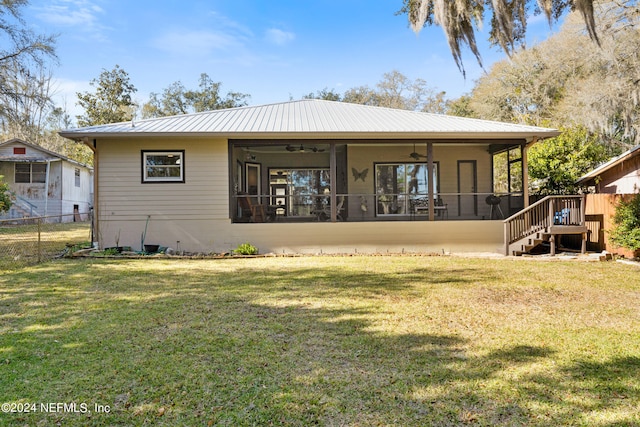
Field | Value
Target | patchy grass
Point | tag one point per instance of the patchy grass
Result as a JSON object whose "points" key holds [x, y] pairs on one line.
{"points": [[329, 340]]}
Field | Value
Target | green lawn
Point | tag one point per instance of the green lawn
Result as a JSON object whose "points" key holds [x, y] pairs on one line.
{"points": [[360, 341]]}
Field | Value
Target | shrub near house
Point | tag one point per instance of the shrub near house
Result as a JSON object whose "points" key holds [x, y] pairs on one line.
{"points": [[5, 198], [626, 231]]}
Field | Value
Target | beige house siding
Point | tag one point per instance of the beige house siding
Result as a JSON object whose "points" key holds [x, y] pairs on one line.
{"points": [[311, 238], [370, 237], [180, 210]]}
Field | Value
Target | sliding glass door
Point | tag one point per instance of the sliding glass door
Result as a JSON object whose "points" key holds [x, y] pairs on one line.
{"points": [[399, 186], [302, 191]]}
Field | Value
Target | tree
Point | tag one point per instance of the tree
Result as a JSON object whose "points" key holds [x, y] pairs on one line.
{"points": [[5, 197], [566, 80], [626, 224], [111, 103], [176, 99], [326, 94], [508, 24], [59, 119], [24, 81], [460, 107], [25, 102], [396, 90], [21, 44], [556, 164]]}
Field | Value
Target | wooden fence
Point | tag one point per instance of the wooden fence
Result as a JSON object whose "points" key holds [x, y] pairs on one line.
{"points": [[600, 209]]}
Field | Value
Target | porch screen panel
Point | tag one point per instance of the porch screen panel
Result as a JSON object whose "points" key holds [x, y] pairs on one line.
{"points": [[307, 190], [400, 185]]}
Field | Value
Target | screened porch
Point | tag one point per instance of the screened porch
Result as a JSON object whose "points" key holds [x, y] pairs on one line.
{"points": [[358, 181]]}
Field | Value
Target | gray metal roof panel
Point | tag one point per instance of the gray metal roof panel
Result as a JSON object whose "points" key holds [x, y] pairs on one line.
{"points": [[311, 117]]}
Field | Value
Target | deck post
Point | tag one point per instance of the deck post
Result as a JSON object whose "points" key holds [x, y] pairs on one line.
{"points": [[506, 238], [552, 240]]}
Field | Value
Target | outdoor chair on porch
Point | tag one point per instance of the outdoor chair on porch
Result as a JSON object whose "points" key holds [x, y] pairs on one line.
{"points": [[251, 212], [420, 205]]}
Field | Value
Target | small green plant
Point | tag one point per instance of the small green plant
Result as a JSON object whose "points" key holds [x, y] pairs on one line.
{"points": [[5, 196], [626, 220], [111, 251], [246, 249]]}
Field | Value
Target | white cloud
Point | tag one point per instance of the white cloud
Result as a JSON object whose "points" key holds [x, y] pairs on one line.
{"points": [[279, 37], [75, 13]]}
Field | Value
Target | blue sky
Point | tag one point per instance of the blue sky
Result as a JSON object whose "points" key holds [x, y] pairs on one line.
{"points": [[273, 50]]}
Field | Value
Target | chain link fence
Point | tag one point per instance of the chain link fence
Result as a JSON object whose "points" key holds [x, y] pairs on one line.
{"points": [[29, 241]]}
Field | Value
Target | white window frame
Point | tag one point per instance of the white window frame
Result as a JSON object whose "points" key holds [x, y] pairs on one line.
{"points": [[163, 179]]}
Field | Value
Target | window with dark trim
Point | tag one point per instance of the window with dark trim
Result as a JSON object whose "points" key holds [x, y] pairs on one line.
{"points": [[19, 150], [27, 173], [162, 166]]}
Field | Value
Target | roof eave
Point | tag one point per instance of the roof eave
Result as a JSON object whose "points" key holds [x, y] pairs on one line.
{"points": [[489, 136]]}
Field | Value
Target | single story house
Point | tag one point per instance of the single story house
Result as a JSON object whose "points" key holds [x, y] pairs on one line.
{"points": [[620, 175], [44, 183], [309, 176]]}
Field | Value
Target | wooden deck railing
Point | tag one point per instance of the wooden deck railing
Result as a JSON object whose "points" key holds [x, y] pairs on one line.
{"points": [[552, 210]]}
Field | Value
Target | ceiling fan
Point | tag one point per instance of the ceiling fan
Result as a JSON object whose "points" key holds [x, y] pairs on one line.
{"points": [[301, 149], [416, 155]]}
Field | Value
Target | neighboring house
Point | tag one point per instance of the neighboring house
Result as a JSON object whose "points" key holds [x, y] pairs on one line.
{"points": [[620, 175], [309, 176], [613, 182], [44, 183]]}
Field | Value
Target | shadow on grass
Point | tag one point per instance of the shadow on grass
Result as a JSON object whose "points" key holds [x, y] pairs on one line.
{"points": [[297, 347]]}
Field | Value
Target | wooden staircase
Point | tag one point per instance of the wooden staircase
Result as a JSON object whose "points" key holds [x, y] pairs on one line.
{"points": [[545, 222]]}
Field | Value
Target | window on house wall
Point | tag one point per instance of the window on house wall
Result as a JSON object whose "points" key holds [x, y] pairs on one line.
{"points": [[398, 185], [19, 150], [163, 166], [77, 176], [28, 173]]}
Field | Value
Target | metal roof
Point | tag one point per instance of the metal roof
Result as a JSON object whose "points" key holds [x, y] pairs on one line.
{"points": [[611, 163], [24, 158], [317, 119]]}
